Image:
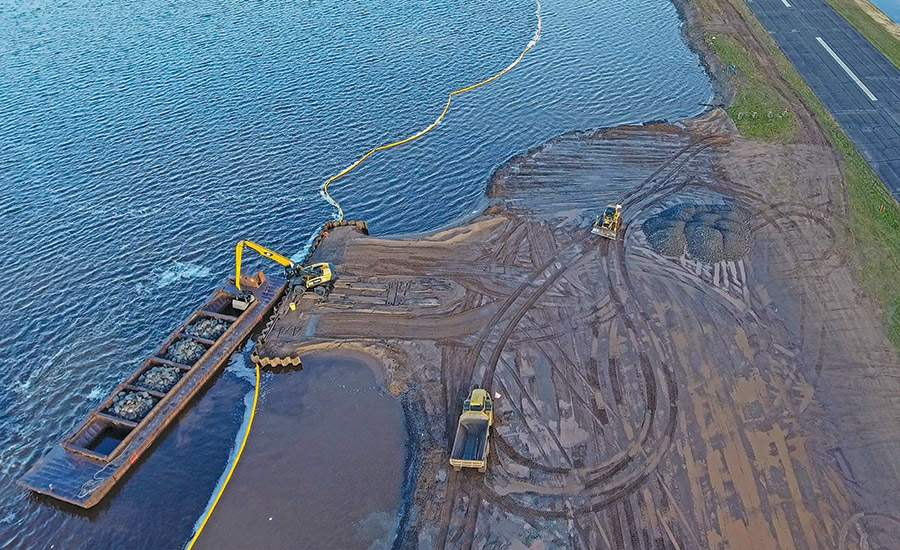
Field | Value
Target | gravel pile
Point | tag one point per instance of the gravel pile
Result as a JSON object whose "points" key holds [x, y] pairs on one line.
{"points": [[160, 378], [708, 233], [132, 405], [209, 329], [186, 352]]}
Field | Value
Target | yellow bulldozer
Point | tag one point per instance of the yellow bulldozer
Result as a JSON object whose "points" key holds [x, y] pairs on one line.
{"points": [[607, 225], [316, 277]]}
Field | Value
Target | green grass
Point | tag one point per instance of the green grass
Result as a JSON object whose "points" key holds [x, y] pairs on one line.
{"points": [[874, 31], [757, 110], [872, 236]]}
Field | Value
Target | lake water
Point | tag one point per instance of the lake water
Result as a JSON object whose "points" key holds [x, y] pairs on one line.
{"points": [[140, 140]]}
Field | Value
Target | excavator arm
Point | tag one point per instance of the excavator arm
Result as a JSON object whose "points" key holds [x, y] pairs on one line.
{"points": [[263, 251]]}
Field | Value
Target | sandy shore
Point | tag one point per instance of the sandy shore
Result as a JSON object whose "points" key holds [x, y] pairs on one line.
{"points": [[872, 10]]}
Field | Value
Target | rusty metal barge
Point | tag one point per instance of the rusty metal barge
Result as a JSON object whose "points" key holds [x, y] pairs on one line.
{"points": [[88, 463]]}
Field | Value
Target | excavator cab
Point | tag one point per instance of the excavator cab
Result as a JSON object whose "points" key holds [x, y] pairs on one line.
{"points": [[318, 277]]}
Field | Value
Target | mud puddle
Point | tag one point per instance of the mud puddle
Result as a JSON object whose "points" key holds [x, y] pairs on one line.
{"points": [[323, 467]]}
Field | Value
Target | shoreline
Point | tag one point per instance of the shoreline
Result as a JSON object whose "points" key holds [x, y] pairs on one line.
{"points": [[443, 509], [873, 11]]}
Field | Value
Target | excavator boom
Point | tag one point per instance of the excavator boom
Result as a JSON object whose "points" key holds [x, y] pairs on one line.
{"points": [[271, 254]]}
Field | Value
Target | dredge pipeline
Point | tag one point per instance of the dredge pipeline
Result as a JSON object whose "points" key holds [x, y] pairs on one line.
{"points": [[291, 296], [531, 44]]}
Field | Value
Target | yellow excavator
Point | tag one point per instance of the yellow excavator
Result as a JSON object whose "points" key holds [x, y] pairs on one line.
{"points": [[317, 277]]}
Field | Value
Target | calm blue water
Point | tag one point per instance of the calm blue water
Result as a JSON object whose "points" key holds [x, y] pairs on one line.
{"points": [[140, 140], [891, 8]]}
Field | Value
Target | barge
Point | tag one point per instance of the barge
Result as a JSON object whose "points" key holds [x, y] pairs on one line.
{"points": [[88, 463]]}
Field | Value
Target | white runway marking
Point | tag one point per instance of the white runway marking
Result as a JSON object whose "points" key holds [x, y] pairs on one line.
{"points": [[785, 2], [847, 70]]}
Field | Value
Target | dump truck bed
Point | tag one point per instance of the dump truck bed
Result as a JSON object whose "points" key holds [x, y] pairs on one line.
{"points": [[470, 444]]}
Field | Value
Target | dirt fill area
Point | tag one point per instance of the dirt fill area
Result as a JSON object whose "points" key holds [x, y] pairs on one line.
{"points": [[646, 400]]}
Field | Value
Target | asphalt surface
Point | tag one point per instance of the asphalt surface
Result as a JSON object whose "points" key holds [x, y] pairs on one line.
{"points": [[872, 124]]}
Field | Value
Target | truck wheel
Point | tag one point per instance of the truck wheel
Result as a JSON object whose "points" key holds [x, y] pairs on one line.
{"points": [[320, 290]]}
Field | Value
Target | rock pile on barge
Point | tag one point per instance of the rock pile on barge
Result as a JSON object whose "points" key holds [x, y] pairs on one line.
{"points": [[160, 378], [132, 405], [209, 329], [186, 352], [89, 462]]}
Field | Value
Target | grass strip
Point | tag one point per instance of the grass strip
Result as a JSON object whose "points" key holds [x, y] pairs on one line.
{"points": [[871, 231]]}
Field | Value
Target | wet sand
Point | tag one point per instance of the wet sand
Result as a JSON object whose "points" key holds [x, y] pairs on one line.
{"points": [[323, 466]]}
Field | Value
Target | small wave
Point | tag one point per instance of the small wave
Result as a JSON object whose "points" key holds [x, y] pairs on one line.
{"points": [[181, 271], [96, 393]]}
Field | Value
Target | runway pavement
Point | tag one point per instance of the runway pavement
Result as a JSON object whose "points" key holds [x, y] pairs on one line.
{"points": [[850, 76]]}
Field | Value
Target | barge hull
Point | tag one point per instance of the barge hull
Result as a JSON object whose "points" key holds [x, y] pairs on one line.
{"points": [[80, 476]]}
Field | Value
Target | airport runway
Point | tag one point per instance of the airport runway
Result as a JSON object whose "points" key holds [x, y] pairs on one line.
{"points": [[850, 76]]}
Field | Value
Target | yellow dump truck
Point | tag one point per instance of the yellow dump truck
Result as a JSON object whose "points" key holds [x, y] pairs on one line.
{"points": [[471, 446]]}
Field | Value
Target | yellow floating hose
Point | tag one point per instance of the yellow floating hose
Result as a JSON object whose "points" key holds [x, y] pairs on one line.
{"points": [[233, 465], [347, 170], [342, 173]]}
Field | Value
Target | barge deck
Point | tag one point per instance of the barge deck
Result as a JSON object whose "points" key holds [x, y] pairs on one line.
{"points": [[88, 463]]}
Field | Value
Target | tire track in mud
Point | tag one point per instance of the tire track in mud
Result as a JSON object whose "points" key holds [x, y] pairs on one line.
{"points": [[450, 502], [751, 200], [447, 510], [482, 337], [613, 494], [476, 351], [623, 488], [616, 492], [472, 510], [507, 333], [647, 371], [639, 194], [511, 325]]}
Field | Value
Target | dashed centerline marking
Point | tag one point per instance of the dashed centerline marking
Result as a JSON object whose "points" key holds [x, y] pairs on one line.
{"points": [[847, 70]]}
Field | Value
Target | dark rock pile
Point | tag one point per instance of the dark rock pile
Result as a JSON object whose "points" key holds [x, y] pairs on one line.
{"points": [[132, 405], [160, 378], [708, 233], [209, 329], [186, 352]]}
